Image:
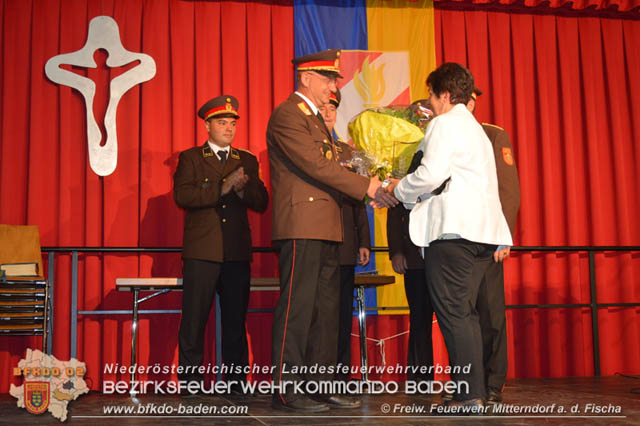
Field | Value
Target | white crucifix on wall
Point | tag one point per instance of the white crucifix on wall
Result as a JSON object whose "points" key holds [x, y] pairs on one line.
{"points": [[103, 34]]}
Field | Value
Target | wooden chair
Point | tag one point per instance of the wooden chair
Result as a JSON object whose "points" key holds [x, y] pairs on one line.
{"points": [[24, 301]]}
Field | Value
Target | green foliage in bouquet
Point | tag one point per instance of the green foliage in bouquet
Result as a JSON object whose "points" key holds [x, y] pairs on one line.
{"points": [[402, 113]]}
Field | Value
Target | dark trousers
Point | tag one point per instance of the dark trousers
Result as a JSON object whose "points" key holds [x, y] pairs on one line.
{"points": [[493, 326], [347, 282], [454, 269], [201, 280], [305, 323], [420, 353]]}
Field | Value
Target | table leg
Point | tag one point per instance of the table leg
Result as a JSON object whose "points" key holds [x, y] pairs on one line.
{"points": [[134, 329], [363, 332], [218, 338]]}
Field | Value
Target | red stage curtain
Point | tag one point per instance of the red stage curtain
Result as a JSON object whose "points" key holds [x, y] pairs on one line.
{"points": [[631, 6], [565, 90], [201, 49]]}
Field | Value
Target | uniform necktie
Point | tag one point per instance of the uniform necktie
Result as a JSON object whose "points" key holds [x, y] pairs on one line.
{"points": [[223, 156]]}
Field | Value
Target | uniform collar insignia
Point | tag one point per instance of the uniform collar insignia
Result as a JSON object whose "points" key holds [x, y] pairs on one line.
{"points": [[207, 151], [303, 106], [234, 154]]}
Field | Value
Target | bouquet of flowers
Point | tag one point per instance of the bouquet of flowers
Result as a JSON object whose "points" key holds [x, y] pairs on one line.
{"points": [[386, 138]]}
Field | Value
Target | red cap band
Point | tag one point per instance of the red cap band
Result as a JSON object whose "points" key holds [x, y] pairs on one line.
{"points": [[317, 65], [223, 109]]}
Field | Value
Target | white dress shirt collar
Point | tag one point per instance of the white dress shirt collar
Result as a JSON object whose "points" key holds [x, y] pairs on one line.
{"points": [[308, 101], [217, 149]]}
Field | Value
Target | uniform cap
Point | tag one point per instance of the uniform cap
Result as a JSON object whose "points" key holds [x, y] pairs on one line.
{"points": [[225, 105], [335, 98], [326, 62]]}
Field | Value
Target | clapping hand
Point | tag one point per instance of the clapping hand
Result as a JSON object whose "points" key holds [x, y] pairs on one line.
{"points": [[236, 180]]}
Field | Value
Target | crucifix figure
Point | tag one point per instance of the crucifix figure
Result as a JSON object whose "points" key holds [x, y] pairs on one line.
{"points": [[103, 34]]}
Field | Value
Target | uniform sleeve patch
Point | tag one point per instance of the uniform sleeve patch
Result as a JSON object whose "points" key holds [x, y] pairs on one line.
{"points": [[507, 156]]}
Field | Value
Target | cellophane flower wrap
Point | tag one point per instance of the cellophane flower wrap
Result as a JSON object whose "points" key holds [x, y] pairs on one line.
{"points": [[386, 139]]}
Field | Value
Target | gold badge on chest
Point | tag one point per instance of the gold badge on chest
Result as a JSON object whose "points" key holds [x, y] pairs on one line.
{"points": [[327, 152]]}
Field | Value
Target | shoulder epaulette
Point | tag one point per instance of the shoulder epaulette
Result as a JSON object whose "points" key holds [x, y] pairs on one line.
{"points": [[233, 153], [245, 150], [304, 108], [492, 125]]}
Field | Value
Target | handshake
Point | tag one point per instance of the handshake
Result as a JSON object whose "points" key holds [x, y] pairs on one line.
{"points": [[382, 197]]}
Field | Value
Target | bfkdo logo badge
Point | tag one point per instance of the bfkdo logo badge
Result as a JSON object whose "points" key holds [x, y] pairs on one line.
{"points": [[49, 384], [36, 396]]}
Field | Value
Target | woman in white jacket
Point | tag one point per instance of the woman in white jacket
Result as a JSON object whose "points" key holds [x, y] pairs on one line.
{"points": [[462, 227]]}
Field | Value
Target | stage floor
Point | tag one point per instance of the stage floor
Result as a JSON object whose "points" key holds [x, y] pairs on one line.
{"points": [[604, 394]]}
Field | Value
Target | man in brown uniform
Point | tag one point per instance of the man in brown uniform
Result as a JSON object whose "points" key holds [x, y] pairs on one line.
{"points": [[356, 243], [490, 303], [308, 186], [216, 184]]}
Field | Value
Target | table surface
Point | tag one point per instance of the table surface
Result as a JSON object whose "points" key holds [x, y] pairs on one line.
{"points": [[126, 284]]}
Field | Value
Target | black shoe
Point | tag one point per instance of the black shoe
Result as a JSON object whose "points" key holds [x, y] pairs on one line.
{"points": [[185, 394], [469, 407], [341, 401], [494, 396], [237, 390], [301, 404], [198, 390], [446, 396]]}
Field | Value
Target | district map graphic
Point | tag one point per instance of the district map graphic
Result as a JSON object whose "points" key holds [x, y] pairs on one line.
{"points": [[49, 384]]}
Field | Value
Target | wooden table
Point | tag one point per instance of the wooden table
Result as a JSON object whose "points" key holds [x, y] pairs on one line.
{"points": [[163, 285]]}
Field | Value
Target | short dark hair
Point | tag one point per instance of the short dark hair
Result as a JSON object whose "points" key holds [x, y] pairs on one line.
{"points": [[453, 78]]}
